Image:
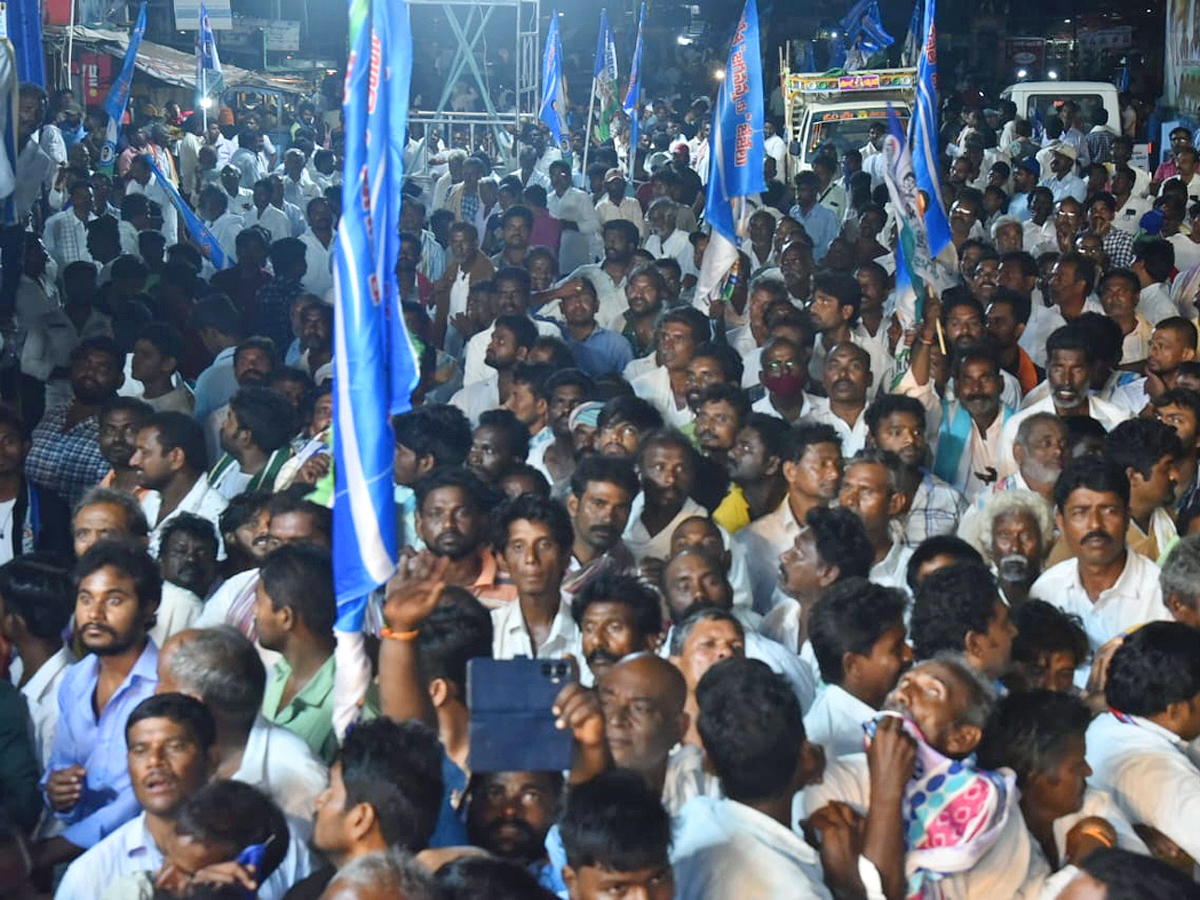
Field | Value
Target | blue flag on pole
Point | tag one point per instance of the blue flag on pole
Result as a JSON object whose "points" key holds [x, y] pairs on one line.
{"points": [[923, 135], [374, 365], [209, 79], [118, 95], [553, 110], [196, 229], [25, 34], [604, 76], [736, 151], [912, 40], [632, 104]]}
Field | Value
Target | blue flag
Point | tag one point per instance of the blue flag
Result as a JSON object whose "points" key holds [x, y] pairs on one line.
{"points": [[632, 104], [864, 21], [196, 229], [209, 79], [923, 135], [604, 76], [553, 110], [912, 40], [736, 151], [25, 33], [375, 368], [118, 95]]}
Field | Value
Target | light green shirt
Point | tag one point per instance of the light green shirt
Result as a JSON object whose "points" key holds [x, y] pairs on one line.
{"points": [[310, 714]]}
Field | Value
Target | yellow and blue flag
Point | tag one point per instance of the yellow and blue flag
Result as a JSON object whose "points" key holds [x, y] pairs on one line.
{"points": [[632, 104], [923, 135], [553, 110]]}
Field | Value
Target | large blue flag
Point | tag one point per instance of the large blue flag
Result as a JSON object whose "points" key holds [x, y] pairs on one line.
{"points": [[736, 152], [632, 104], [118, 95], [24, 28], [196, 229], [553, 110], [374, 365], [912, 40], [209, 79], [604, 76], [923, 135], [863, 23]]}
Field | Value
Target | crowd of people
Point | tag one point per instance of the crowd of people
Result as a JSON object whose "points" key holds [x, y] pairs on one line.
{"points": [[859, 607]]}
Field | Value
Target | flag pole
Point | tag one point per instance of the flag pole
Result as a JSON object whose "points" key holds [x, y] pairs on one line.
{"points": [[203, 89], [587, 137]]}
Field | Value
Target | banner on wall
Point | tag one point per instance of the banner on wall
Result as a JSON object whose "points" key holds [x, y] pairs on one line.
{"points": [[1181, 76]]}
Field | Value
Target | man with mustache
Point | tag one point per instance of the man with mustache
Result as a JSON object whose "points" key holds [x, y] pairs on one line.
{"points": [[1069, 368], [755, 464], [1148, 451], [451, 519], [968, 424], [602, 492], [872, 489], [87, 780], [836, 303], [941, 707], [847, 380], [120, 420], [617, 615], [169, 459], [1110, 587], [510, 813], [65, 453], [667, 466], [812, 468]]}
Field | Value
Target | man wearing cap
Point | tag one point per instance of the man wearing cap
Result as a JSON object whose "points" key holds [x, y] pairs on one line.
{"points": [[1025, 174], [1063, 182], [615, 205]]}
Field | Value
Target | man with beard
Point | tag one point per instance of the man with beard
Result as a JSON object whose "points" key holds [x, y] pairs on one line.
{"points": [[755, 465], [896, 424], [1016, 529], [255, 437], [847, 378], [958, 610], [608, 278], [467, 265], [255, 360], [963, 321], [170, 465], [1110, 587], [720, 411], [969, 426], [516, 224], [623, 424], [1008, 316], [645, 296], [936, 713], [512, 338], [667, 466], [983, 281], [87, 780], [452, 508], [1173, 342], [120, 420], [1069, 369], [64, 456], [796, 265], [1147, 450], [565, 389], [188, 561], [812, 468], [617, 615], [511, 291], [602, 492], [597, 350], [510, 813]]}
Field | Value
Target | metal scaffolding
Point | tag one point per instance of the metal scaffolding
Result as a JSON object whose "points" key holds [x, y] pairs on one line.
{"points": [[471, 21]]}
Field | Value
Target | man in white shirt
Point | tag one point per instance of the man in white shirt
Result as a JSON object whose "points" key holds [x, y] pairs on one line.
{"points": [[537, 549], [812, 467], [298, 186], [615, 205], [65, 233], [225, 225], [774, 147], [318, 248], [264, 213], [1153, 264], [144, 181], [667, 240], [170, 463], [665, 385], [1063, 182], [577, 213], [667, 464], [221, 667], [511, 292], [871, 489], [743, 845], [834, 309], [858, 636], [847, 379], [1138, 749], [37, 604], [240, 199], [1111, 588], [1069, 370], [948, 705]]}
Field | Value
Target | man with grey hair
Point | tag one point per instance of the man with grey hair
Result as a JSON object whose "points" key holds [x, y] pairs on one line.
{"points": [[221, 668], [382, 876], [1180, 581], [665, 239], [936, 714], [1015, 533], [107, 513]]}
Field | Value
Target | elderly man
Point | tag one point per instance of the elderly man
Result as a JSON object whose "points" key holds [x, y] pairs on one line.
{"points": [[936, 713], [1014, 530]]}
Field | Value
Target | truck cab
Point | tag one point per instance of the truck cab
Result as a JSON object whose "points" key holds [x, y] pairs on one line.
{"points": [[1039, 101], [838, 109]]}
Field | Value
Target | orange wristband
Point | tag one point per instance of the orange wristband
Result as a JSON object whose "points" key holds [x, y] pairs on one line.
{"points": [[386, 632]]}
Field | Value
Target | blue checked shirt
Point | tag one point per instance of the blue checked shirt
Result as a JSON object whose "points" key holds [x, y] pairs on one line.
{"points": [[67, 462], [936, 509], [98, 744]]}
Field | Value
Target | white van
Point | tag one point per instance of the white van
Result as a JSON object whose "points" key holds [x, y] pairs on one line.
{"points": [[1039, 101]]}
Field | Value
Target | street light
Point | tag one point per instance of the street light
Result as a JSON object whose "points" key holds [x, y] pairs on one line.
{"points": [[719, 74], [1052, 75], [1022, 73], [206, 103]]}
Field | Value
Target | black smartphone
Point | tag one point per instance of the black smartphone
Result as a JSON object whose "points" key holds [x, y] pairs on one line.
{"points": [[512, 727]]}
